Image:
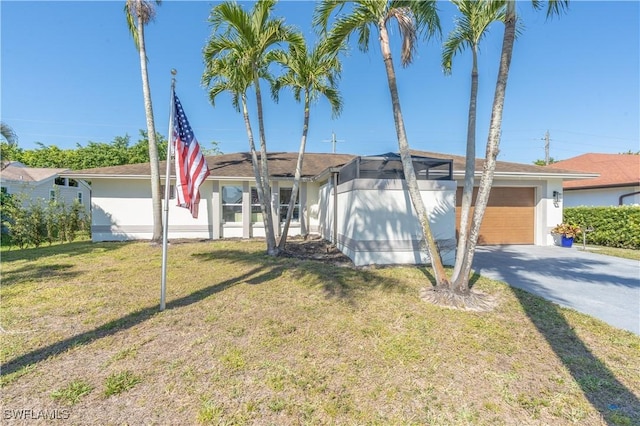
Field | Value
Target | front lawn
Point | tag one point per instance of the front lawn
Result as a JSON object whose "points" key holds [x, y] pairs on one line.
{"points": [[248, 339]]}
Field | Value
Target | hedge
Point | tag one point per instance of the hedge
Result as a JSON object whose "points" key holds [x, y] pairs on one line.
{"points": [[612, 226]]}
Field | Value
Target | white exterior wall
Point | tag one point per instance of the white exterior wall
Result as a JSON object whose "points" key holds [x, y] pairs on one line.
{"points": [[600, 196], [122, 210], [311, 209], [377, 223], [41, 190], [548, 212]]}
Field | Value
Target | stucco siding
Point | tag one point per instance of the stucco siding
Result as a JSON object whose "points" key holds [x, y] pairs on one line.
{"points": [[122, 210], [377, 223], [600, 196]]}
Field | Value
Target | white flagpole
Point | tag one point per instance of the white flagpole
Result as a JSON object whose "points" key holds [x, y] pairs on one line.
{"points": [[167, 194]]}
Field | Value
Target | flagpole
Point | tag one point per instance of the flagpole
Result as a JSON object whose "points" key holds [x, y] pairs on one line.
{"points": [[167, 194]]}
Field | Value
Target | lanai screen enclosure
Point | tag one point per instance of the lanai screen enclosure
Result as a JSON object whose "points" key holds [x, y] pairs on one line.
{"points": [[370, 217]]}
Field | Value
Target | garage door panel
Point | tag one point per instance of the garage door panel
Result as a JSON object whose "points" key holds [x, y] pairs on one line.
{"points": [[509, 217]]}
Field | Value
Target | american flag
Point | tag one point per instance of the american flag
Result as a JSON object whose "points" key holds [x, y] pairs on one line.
{"points": [[191, 166]]}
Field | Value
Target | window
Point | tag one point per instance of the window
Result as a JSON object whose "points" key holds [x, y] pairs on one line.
{"points": [[52, 195], [60, 181], [232, 203], [172, 192], [285, 196], [256, 210], [80, 197], [73, 183], [4, 190]]}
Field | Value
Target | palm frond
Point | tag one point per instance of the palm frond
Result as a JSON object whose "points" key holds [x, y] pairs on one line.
{"points": [[8, 134], [143, 9]]}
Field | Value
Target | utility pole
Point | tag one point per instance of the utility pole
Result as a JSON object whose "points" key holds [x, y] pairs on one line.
{"points": [[333, 141], [546, 148]]}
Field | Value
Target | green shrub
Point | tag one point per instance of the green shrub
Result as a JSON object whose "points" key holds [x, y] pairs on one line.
{"points": [[612, 226], [37, 222]]}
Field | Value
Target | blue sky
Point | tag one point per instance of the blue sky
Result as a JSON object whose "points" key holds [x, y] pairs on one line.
{"points": [[71, 74]]}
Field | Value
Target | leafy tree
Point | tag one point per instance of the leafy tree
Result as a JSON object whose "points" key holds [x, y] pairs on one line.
{"points": [[9, 152], [412, 17], [214, 150], [495, 127], [100, 154], [470, 29], [139, 13], [48, 156], [309, 75], [541, 162], [237, 56]]}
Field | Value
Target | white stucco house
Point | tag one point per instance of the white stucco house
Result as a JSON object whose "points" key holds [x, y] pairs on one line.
{"points": [[33, 183], [617, 183], [359, 203]]}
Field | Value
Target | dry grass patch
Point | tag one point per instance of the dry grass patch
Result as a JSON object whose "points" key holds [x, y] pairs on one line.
{"points": [[249, 339]]}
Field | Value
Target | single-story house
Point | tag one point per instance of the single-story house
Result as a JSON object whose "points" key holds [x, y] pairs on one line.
{"points": [[359, 203], [46, 184], [618, 182]]}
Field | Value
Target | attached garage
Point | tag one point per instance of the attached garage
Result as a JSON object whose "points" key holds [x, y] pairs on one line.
{"points": [[509, 217]]}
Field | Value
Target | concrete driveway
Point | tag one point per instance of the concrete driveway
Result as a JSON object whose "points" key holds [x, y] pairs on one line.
{"points": [[602, 286]]}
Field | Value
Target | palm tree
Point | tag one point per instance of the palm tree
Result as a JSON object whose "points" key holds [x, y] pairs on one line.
{"points": [[309, 75], [222, 75], [470, 28], [139, 13], [8, 134], [11, 141], [412, 17], [246, 40], [495, 127]]}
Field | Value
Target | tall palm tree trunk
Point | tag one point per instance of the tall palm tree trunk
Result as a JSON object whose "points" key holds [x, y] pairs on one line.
{"points": [[469, 172], [156, 198], [254, 155], [493, 141], [298, 174], [407, 164], [272, 249]]}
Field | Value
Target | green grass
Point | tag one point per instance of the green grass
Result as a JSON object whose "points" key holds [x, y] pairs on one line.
{"points": [[249, 339], [72, 393], [117, 383], [613, 251]]}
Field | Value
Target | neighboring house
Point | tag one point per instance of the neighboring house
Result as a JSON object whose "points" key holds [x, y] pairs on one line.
{"points": [[618, 182], [33, 183], [359, 203]]}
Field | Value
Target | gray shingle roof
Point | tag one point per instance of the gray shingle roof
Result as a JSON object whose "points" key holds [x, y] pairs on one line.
{"points": [[18, 172], [282, 164]]}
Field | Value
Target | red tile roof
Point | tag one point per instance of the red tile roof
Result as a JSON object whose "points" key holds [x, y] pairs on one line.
{"points": [[614, 170]]}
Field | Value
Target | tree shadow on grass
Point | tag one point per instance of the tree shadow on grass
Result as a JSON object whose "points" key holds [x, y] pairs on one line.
{"points": [[65, 249], [345, 283], [611, 398], [598, 383], [123, 323], [41, 272]]}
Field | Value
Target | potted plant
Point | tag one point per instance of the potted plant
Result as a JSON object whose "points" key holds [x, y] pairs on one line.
{"points": [[567, 232]]}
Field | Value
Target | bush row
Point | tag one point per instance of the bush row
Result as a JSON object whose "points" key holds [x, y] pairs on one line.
{"points": [[41, 221], [612, 226]]}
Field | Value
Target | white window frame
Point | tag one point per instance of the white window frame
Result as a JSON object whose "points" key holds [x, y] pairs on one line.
{"points": [[234, 206], [284, 205]]}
